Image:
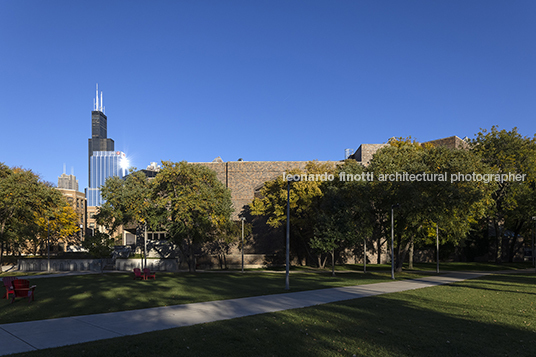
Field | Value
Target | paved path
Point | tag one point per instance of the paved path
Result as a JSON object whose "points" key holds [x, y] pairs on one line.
{"points": [[35, 335]]}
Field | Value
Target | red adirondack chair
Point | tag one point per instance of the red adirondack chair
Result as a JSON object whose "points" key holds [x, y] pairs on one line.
{"points": [[8, 284], [22, 288], [138, 274], [148, 274]]}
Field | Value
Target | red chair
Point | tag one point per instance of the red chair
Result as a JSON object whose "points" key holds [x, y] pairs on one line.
{"points": [[8, 284], [148, 274], [138, 274], [22, 288]]}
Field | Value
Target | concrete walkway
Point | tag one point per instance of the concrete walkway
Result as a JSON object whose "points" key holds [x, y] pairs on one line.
{"points": [[35, 335]]}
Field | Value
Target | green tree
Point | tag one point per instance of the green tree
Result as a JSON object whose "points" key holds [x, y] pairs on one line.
{"points": [[25, 204], [99, 246], [452, 205], [304, 205], [508, 152], [345, 219], [127, 201], [194, 205]]}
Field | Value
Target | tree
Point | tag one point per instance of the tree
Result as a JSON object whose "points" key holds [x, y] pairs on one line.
{"points": [[26, 203], [344, 219], [430, 197], [99, 246], [507, 152], [54, 218], [222, 244], [127, 201], [194, 205], [304, 204]]}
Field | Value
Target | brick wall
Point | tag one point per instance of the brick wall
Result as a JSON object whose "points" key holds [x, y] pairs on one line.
{"points": [[244, 177], [452, 142], [365, 152]]}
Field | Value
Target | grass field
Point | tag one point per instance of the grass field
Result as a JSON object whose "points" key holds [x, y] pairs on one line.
{"points": [[443, 267], [489, 316], [100, 293]]}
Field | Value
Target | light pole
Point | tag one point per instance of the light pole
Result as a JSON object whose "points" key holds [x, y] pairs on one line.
{"points": [[437, 247], [145, 245], [393, 240], [289, 178], [365, 255], [48, 242], [533, 241], [242, 219]]}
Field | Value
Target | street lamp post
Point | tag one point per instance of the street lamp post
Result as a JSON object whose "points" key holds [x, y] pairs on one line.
{"points": [[242, 219], [437, 247], [145, 245], [393, 240], [48, 242], [289, 178], [365, 255], [533, 242]]}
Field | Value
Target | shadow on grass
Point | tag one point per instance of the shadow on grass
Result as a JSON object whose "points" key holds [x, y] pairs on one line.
{"points": [[502, 283], [440, 321], [101, 293]]}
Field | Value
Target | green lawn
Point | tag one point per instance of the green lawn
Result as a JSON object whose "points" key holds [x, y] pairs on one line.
{"points": [[459, 266], [443, 267], [99, 293], [489, 316]]}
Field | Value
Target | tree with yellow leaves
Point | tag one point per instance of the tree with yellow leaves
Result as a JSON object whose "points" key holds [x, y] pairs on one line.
{"points": [[305, 198], [26, 203]]}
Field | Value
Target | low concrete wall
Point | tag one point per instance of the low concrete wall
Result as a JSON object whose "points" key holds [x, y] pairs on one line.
{"points": [[153, 264], [62, 264], [94, 264]]}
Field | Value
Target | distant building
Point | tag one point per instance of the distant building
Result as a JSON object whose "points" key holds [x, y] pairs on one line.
{"points": [[103, 164], [152, 170], [365, 152], [103, 160], [79, 204], [68, 182]]}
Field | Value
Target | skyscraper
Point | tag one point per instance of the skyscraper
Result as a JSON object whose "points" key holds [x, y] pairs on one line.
{"points": [[102, 165], [68, 182], [99, 131], [103, 161]]}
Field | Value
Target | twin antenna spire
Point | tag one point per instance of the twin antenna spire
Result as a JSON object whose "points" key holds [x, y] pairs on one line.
{"points": [[98, 107]]}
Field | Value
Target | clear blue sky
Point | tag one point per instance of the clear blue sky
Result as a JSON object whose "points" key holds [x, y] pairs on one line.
{"points": [[258, 80]]}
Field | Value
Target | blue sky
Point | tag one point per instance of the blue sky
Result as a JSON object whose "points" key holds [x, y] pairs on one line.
{"points": [[258, 80]]}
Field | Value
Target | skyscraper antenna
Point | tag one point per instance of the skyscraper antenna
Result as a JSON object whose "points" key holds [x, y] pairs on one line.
{"points": [[98, 107], [97, 98], [64, 168]]}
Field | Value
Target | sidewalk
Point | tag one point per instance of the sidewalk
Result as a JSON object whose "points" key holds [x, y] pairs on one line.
{"points": [[35, 335]]}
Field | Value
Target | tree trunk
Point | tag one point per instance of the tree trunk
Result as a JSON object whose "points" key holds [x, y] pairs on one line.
{"points": [[1, 255], [333, 262], [365, 255], [191, 257], [512, 247], [498, 241], [321, 261], [411, 248], [379, 259], [400, 254], [2, 246]]}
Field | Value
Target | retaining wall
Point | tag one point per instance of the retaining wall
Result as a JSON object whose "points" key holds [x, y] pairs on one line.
{"points": [[62, 264]]}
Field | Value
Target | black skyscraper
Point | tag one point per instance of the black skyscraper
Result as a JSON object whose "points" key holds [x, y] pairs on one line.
{"points": [[99, 132]]}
